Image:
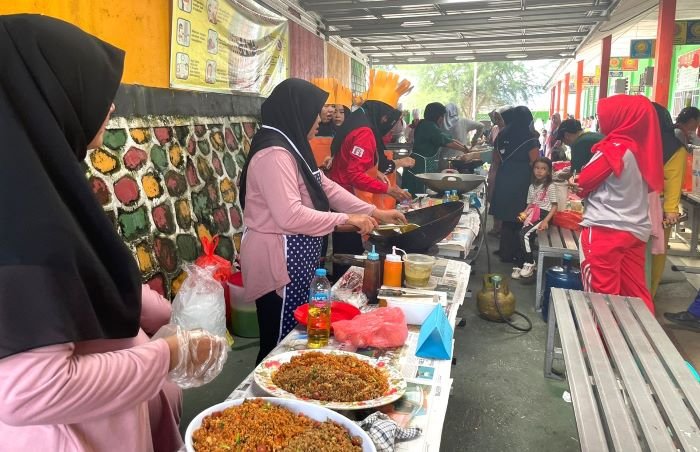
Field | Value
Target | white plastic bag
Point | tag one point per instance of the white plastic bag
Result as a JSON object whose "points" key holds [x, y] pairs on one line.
{"points": [[200, 302]]}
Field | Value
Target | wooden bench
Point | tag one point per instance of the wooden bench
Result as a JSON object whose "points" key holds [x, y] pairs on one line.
{"points": [[630, 388], [553, 242]]}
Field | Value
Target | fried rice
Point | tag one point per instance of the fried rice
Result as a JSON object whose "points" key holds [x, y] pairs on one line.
{"points": [[330, 377], [260, 426]]}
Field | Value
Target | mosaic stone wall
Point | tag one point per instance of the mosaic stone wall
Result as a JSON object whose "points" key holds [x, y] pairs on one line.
{"points": [[164, 182]]}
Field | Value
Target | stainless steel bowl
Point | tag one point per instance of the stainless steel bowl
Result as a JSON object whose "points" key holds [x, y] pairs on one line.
{"points": [[440, 182]]}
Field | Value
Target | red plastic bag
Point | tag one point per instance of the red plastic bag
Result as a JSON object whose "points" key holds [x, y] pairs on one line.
{"points": [[568, 219], [381, 328], [222, 267]]}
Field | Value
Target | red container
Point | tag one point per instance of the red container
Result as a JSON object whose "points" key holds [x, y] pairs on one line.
{"points": [[339, 311]]}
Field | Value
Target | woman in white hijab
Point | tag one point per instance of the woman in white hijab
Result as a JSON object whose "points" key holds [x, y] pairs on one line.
{"points": [[459, 129]]}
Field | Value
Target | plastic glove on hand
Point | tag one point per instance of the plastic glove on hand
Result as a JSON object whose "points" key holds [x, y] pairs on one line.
{"points": [[200, 355]]}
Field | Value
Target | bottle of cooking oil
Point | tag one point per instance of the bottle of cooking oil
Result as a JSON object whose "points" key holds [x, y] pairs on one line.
{"points": [[318, 326], [454, 196]]}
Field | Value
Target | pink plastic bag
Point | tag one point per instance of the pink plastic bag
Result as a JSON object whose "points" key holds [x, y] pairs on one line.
{"points": [[381, 328]]}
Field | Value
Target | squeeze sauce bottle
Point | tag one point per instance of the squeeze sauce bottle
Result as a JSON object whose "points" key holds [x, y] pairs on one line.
{"points": [[393, 267], [371, 279]]}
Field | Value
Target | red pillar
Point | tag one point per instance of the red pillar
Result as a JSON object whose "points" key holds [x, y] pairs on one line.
{"points": [[551, 102], [664, 51], [579, 89], [605, 67], [559, 96], [567, 80]]}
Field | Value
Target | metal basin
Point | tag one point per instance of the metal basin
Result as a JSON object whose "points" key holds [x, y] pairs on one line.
{"points": [[435, 223], [440, 182]]}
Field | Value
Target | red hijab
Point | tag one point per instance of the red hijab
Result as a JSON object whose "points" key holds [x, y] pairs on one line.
{"points": [[630, 122]]}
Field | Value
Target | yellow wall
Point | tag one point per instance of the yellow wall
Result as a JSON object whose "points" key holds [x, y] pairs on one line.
{"points": [[140, 27]]}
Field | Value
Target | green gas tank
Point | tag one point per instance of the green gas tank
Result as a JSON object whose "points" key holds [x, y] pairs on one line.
{"points": [[495, 290]]}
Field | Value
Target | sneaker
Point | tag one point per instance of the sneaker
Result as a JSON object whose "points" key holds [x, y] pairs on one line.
{"points": [[685, 319], [516, 273], [528, 270]]}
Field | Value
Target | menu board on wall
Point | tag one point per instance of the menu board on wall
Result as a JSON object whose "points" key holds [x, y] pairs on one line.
{"points": [[688, 71], [227, 45]]}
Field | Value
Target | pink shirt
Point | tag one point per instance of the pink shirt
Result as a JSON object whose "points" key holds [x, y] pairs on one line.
{"points": [[85, 396], [278, 204]]}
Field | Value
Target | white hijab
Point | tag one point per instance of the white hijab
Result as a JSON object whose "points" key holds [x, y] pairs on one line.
{"points": [[451, 117]]}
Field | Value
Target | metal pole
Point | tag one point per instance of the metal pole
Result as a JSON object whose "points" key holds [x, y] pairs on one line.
{"points": [[664, 51], [474, 92]]}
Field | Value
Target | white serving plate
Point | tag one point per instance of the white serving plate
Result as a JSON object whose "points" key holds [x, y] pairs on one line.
{"points": [[266, 369], [315, 412]]}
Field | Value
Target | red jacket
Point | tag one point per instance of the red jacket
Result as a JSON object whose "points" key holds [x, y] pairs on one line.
{"points": [[357, 155]]}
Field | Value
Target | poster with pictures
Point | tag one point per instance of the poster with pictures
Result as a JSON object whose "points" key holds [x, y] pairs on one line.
{"points": [[227, 46]]}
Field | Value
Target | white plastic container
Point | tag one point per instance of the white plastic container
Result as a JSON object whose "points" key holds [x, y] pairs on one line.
{"points": [[415, 310]]}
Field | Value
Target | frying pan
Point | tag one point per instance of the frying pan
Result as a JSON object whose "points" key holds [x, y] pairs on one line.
{"points": [[435, 223], [441, 182]]}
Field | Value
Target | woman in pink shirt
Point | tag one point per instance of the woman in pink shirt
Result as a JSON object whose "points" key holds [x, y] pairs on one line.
{"points": [[76, 371], [287, 206]]}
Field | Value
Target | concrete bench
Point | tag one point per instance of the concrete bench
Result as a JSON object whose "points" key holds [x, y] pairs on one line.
{"points": [[630, 388], [553, 242]]}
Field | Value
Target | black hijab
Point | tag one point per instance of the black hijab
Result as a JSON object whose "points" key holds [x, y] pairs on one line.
{"points": [[292, 108], [370, 115], [433, 111], [517, 132], [669, 142], [65, 275]]}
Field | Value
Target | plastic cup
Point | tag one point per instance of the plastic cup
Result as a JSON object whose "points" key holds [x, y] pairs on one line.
{"points": [[418, 268]]}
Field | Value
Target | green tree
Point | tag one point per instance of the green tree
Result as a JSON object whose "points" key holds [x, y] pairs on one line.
{"points": [[498, 83]]}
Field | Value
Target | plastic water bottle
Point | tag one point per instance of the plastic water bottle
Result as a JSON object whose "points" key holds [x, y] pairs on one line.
{"points": [[318, 326], [447, 197]]}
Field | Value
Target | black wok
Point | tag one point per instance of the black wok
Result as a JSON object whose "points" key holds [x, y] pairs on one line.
{"points": [[435, 223]]}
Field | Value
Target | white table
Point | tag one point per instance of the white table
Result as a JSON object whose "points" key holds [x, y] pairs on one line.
{"points": [[431, 377]]}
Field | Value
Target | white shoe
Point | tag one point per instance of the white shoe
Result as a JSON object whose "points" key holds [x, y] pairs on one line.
{"points": [[528, 270], [516, 273]]}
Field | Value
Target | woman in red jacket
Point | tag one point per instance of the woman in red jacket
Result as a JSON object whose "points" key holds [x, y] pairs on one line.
{"points": [[626, 165]]}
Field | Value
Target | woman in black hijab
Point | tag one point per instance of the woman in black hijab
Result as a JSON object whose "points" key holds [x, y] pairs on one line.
{"points": [[287, 202], [517, 147], [71, 351]]}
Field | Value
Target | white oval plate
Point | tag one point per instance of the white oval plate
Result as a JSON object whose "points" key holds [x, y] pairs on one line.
{"points": [[315, 412], [263, 377]]}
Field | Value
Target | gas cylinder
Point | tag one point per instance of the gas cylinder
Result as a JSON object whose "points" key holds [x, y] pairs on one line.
{"points": [[495, 285], [563, 277]]}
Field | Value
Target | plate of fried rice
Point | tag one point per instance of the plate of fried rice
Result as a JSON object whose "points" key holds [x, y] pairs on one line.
{"points": [[331, 378], [266, 424]]}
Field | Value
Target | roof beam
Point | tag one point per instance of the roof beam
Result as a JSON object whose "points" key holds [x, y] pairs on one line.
{"points": [[470, 17], [487, 47], [451, 59], [440, 23], [350, 5], [405, 42], [496, 26]]}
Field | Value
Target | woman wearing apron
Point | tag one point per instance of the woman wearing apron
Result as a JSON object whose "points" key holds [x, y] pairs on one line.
{"points": [[287, 202], [360, 164]]}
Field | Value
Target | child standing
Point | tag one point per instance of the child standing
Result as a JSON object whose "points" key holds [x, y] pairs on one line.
{"points": [[541, 207]]}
